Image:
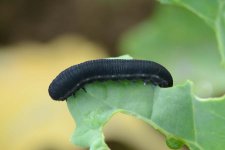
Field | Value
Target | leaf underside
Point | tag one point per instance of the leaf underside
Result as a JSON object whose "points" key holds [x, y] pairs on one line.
{"points": [[175, 112]]}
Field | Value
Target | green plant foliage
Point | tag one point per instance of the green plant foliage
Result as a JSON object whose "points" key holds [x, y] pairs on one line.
{"points": [[175, 112], [181, 42], [174, 143], [212, 12]]}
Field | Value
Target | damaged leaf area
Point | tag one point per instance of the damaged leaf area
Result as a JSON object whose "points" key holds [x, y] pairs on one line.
{"points": [[182, 117]]}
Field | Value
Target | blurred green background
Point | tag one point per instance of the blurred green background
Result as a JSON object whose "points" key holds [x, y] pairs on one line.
{"points": [[38, 39]]}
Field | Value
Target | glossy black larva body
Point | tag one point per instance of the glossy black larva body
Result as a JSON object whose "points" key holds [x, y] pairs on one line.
{"points": [[75, 77]]}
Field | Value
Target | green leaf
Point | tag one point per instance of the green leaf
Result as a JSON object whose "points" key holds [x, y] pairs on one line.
{"points": [[212, 12], [180, 41], [175, 112], [174, 143]]}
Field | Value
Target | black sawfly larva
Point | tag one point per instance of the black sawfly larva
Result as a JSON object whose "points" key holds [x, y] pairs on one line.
{"points": [[75, 77]]}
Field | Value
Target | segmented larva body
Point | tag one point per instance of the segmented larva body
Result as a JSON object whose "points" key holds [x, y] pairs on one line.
{"points": [[75, 77]]}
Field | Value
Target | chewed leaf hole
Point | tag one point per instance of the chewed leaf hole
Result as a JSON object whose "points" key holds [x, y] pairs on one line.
{"points": [[117, 145], [128, 131]]}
